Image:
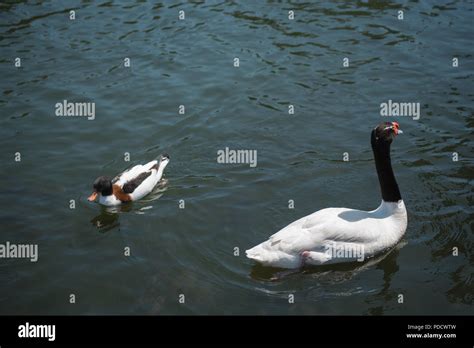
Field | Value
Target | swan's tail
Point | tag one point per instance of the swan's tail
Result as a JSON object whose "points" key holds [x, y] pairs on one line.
{"points": [[256, 253], [269, 256]]}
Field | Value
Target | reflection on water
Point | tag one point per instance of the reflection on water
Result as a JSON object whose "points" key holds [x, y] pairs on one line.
{"points": [[105, 221], [108, 219]]}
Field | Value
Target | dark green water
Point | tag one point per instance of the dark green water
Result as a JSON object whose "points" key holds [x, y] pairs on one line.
{"points": [[190, 62]]}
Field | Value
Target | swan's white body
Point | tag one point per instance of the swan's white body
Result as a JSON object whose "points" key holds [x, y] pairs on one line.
{"points": [[144, 188], [333, 235]]}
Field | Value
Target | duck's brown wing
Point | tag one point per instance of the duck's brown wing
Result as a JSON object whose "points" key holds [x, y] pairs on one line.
{"points": [[132, 184]]}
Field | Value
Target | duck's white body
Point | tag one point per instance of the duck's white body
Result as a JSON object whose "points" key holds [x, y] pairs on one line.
{"points": [[333, 235], [145, 187]]}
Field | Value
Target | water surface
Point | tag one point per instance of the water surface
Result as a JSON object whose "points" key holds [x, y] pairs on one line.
{"points": [[190, 62]]}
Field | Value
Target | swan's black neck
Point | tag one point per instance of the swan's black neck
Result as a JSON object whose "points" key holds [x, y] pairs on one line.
{"points": [[383, 164]]}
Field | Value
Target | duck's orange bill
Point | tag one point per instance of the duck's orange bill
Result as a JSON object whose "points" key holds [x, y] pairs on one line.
{"points": [[92, 197], [396, 127]]}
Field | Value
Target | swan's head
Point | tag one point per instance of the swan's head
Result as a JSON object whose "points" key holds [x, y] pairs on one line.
{"points": [[385, 132], [102, 185]]}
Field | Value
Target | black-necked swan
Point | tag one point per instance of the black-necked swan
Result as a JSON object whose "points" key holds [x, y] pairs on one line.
{"points": [[131, 185], [335, 235]]}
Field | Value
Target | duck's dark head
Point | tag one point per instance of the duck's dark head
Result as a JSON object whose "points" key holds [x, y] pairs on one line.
{"points": [[102, 185], [383, 135]]}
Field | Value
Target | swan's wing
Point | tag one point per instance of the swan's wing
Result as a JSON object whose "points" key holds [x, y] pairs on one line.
{"points": [[315, 233], [284, 247], [293, 238], [308, 232]]}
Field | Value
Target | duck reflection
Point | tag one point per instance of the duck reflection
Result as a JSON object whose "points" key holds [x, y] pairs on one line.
{"points": [[108, 219]]}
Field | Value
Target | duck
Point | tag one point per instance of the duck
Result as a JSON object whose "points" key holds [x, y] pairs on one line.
{"points": [[338, 235], [131, 185]]}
